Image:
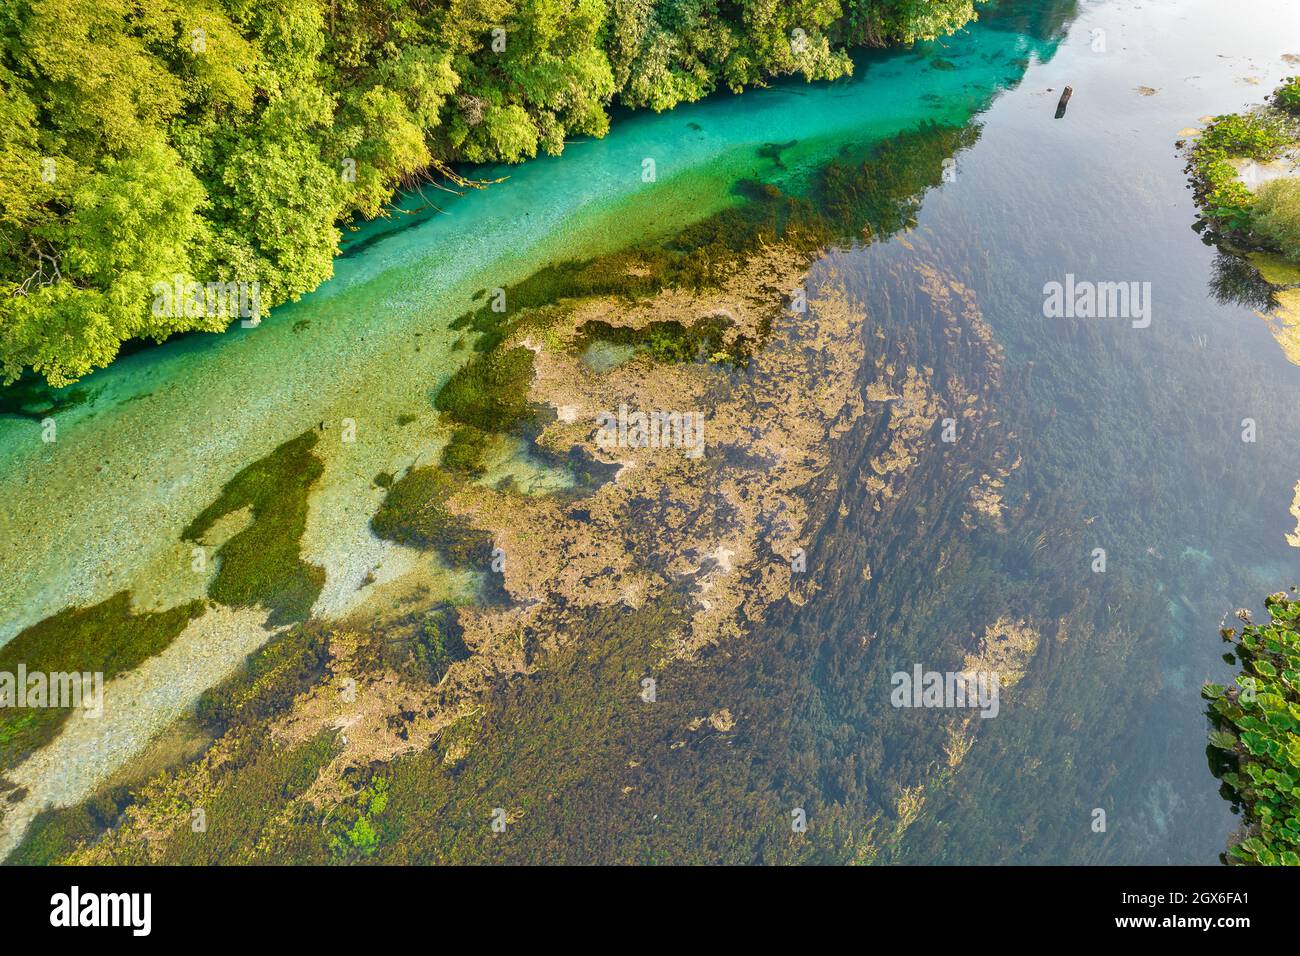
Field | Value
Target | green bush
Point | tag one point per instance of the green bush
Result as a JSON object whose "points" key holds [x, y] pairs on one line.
{"points": [[1255, 743], [1287, 95], [1222, 196], [1226, 197], [1277, 216]]}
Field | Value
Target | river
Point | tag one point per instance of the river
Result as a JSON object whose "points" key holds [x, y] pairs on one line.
{"points": [[1126, 437]]}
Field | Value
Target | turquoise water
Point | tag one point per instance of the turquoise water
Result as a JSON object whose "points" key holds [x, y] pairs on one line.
{"points": [[102, 507], [1129, 438]]}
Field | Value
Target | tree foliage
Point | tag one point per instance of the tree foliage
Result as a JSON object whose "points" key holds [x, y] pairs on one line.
{"points": [[228, 140]]}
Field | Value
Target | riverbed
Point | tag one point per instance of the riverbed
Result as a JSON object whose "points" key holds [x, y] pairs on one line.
{"points": [[1124, 437]]}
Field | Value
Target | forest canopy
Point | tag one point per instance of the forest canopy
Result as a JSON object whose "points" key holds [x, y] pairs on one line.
{"points": [[227, 141]]}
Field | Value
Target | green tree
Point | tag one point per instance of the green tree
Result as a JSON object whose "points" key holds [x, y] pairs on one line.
{"points": [[230, 140], [133, 223], [883, 22]]}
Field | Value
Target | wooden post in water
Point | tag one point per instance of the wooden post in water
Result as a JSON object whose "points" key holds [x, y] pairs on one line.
{"points": [[1065, 101]]}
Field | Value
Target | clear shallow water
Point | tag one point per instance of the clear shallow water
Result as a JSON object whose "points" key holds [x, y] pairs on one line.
{"points": [[103, 507], [1129, 437], [1131, 441]]}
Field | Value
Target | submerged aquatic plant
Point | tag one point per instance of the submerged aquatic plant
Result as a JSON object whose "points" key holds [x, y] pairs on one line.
{"points": [[269, 679], [415, 513], [261, 565], [109, 637], [490, 392], [869, 194], [360, 839], [464, 452]]}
